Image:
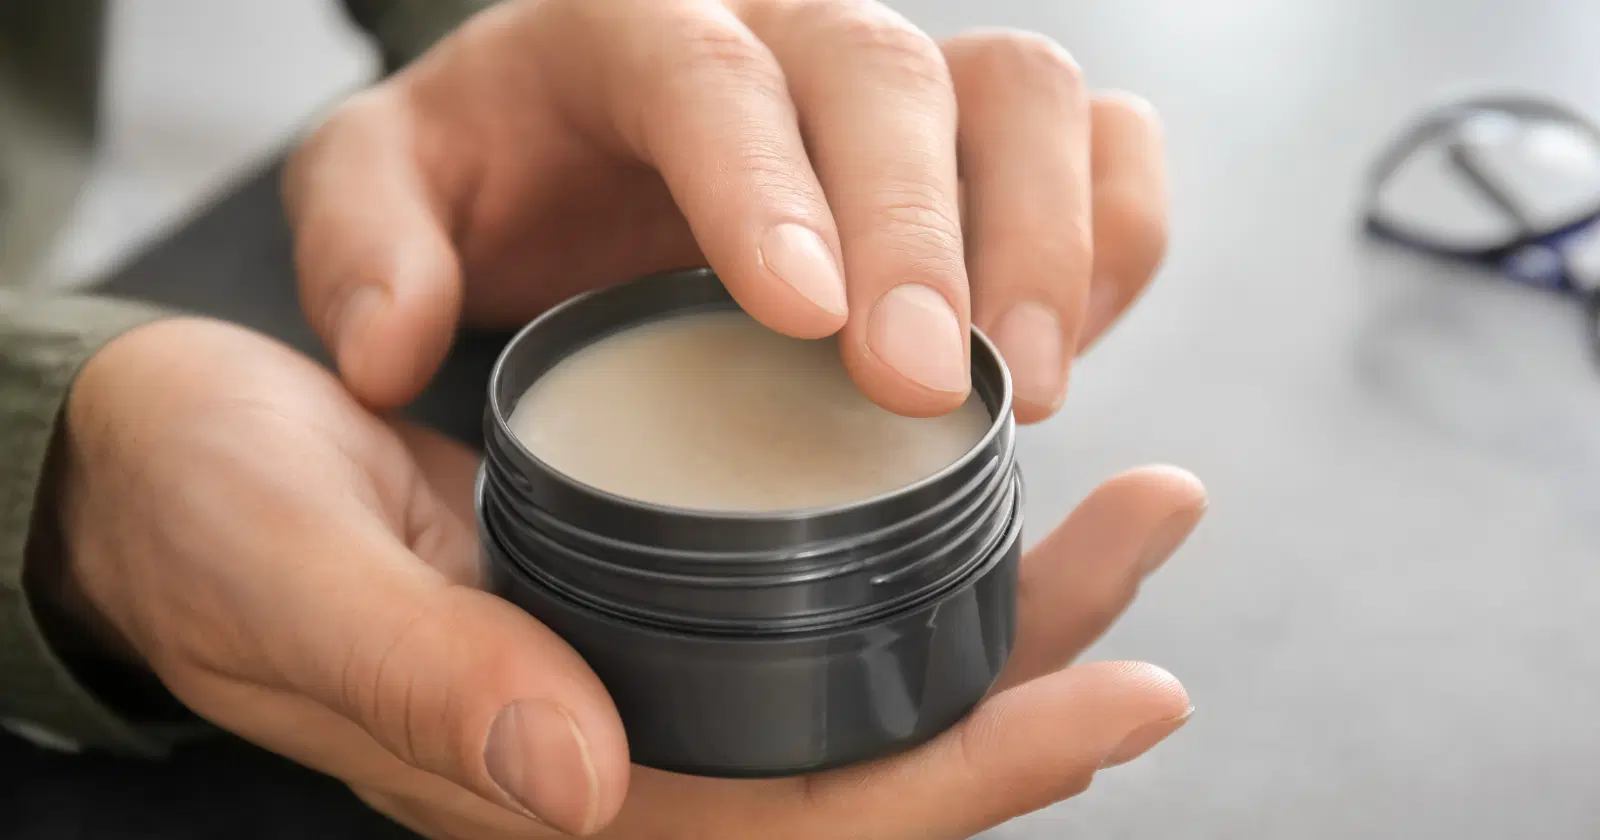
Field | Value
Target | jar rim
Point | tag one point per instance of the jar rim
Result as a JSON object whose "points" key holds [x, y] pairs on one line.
{"points": [[499, 414]]}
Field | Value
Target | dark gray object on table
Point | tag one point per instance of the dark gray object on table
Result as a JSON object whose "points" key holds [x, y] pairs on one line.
{"points": [[1386, 623]]}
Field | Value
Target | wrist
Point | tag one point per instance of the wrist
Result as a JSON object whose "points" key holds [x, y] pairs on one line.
{"points": [[72, 625], [63, 572]]}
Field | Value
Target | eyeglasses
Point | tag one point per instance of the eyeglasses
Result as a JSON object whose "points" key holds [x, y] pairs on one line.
{"points": [[1508, 182]]}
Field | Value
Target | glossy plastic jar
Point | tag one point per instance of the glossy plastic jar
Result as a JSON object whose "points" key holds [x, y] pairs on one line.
{"points": [[757, 644]]}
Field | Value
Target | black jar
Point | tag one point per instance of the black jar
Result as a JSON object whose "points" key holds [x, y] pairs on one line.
{"points": [[757, 644]]}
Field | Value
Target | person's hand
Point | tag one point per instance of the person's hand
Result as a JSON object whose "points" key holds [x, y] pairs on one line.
{"points": [[303, 573], [840, 171]]}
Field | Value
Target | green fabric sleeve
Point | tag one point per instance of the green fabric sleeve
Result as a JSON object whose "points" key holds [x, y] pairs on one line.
{"points": [[405, 29], [45, 685]]}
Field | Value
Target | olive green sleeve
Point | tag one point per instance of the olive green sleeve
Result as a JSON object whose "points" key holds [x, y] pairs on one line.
{"points": [[406, 29], [44, 341]]}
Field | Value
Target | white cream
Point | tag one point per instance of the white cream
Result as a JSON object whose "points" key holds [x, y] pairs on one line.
{"points": [[713, 411]]}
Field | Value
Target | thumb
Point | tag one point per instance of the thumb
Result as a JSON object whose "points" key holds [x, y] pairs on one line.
{"points": [[461, 684], [379, 278], [1023, 749]]}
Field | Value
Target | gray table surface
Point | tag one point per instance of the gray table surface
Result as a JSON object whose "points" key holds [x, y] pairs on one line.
{"points": [[1384, 622]]}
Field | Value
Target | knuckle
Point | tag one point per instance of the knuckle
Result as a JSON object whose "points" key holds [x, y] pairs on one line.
{"points": [[708, 57], [889, 41], [1014, 56], [722, 49], [1048, 256], [1135, 227], [1069, 247], [351, 123], [1073, 784], [1129, 107], [921, 223], [778, 179]]}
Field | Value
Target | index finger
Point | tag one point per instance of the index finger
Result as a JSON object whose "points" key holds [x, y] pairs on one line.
{"points": [[707, 106], [879, 113]]}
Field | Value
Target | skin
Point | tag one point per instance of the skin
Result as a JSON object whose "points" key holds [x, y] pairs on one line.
{"points": [[552, 147], [302, 572]]}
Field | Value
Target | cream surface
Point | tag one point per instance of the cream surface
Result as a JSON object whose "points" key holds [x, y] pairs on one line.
{"points": [[715, 412]]}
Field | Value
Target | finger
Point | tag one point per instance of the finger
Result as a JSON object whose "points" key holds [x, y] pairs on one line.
{"points": [[1029, 747], [1130, 209], [404, 814], [454, 815], [708, 107], [1081, 577], [879, 116], [1024, 144], [316, 737], [379, 277], [443, 531], [450, 680]]}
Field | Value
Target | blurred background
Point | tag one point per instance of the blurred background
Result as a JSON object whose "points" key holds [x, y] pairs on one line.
{"points": [[1387, 621], [195, 93]]}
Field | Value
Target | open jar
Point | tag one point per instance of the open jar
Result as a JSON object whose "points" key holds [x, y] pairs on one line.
{"points": [[765, 643]]}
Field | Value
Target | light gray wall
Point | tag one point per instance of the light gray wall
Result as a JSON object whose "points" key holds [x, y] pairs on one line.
{"points": [[197, 91]]}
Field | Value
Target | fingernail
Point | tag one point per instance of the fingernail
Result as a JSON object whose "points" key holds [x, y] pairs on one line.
{"points": [[354, 320], [1029, 337], [1140, 740], [799, 257], [538, 758], [914, 330], [1105, 299], [1168, 537]]}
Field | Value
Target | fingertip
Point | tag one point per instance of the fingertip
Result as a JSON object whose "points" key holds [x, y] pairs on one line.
{"points": [[1029, 412], [1124, 708], [1032, 341], [793, 286], [1152, 510], [390, 339], [803, 271], [910, 352], [1127, 690], [1164, 708], [1184, 485], [1155, 485], [538, 730], [1122, 103], [609, 761], [1171, 481], [895, 392], [1042, 741], [786, 312], [1161, 695]]}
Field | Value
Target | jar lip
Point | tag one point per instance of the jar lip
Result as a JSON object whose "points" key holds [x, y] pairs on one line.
{"points": [[999, 417]]}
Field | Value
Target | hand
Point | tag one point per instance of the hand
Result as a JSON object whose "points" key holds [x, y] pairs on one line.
{"points": [[839, 170], [303, 574]]}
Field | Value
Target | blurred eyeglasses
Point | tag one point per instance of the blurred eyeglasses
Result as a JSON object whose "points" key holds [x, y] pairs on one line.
{"points": [[1508, 182]]}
